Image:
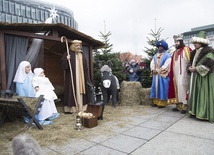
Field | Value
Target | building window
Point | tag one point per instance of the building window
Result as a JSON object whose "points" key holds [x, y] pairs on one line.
{"points": [[33, 13], [30, 20], [3, 17], [38, 14], [12, 8], [72, 22], [66, 21], [24, 20], [42, 15], [47, 15], [6, 7], [28, 12], [69, 21], [62, 19], [59, 19], [18, 9], [35, 21], [1, 5], [19, 19], [23, 12], [8, 18], [14, 19]]}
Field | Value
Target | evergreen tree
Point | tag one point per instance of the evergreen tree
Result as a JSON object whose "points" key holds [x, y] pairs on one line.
{"points": [[108, 46], [151, 51], [152, 43], [103, 56]]}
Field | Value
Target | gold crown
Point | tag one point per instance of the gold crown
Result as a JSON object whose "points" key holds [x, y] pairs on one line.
{"points": [[178, 37]]}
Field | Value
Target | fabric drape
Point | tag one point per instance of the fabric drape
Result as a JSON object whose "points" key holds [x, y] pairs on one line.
{"points": [[15, 51]]}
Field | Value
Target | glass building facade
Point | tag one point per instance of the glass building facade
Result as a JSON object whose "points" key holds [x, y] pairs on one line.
{"points": [[194, 33], [34, 11]]}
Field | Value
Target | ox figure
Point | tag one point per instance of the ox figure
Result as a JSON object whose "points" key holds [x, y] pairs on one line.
{"points": [[109, 87]]}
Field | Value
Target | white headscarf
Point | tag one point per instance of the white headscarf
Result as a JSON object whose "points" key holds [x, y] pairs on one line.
{"points": [[20, 73], [38, 71]]}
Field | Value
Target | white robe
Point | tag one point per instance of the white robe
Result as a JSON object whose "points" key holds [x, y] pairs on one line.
{"points": [[45, 88], [181, 79]]}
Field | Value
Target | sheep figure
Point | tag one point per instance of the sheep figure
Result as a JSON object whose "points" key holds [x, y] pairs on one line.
{"points": [[25, 144]]}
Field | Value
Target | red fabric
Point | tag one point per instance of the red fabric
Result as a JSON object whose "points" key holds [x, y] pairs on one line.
{"points": [[141, 64], [171, 92]]}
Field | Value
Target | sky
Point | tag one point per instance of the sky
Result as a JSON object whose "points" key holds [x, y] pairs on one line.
{"points": [[131, 21]]}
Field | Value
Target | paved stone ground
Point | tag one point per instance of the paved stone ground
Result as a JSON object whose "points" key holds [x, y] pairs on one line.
{"points": [[158, 132]]}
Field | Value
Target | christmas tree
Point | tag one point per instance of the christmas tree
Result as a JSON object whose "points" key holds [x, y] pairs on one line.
{"points": [[103, 56]]}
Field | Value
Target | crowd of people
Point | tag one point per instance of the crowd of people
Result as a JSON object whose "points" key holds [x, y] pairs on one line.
{"points": [[134, 70], [185, 78]]}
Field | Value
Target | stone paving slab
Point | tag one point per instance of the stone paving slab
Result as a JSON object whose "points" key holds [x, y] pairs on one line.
{"points": [[166, 118], [47, 151], [133, 120], [143, 133], [156, 124], [155, 132], [124, 143], [193, 127], [154, 111], [174, 114], [100, 150], [146, 117], [120, 126], [72, 147], [99, 138], [168, 143]]}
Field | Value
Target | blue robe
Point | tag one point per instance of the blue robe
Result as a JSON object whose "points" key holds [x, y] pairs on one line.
{"points": [[25, 88], [160, 85]]}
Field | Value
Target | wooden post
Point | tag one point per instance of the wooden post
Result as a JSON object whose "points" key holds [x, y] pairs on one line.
{"points": [[3, 79]]}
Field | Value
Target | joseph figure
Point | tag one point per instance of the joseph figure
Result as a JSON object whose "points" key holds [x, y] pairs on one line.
{"points": [[75, 93]]}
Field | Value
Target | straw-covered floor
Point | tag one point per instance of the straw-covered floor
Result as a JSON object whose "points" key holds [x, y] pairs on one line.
{"points": [[63, 128]]}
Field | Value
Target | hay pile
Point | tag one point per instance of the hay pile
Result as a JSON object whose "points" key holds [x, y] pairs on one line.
{"points": [[63, 128], [130, 93]]}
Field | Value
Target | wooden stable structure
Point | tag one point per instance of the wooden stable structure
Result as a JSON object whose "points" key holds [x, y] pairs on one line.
{"points": [[53, 47]]}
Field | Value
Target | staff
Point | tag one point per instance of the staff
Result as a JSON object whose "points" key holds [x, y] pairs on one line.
{"points": [[72, 80]]}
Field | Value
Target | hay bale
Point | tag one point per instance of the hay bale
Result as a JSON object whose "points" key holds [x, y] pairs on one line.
{"points": [[145, 96], [130, 93]]}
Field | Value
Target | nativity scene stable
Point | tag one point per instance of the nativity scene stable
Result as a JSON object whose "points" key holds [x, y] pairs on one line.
{"points": [[41, 45]]}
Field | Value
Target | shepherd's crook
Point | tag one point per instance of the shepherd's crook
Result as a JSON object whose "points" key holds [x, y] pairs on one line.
{"points": [[72, 79]]}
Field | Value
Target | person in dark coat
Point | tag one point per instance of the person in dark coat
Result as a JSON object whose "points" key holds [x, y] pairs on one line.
{"points": [[75, 94], [201, 70]]}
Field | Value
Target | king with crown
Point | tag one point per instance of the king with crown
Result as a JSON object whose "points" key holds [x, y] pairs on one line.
{"points": [[201, 69], [179, 80]]}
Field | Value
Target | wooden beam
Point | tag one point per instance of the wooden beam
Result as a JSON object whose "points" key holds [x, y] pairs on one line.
{"points": [[32, 35], [91, 64], [2, 60]]}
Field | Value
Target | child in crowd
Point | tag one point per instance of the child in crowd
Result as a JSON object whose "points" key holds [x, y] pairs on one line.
{"points": [[43, 86]]}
